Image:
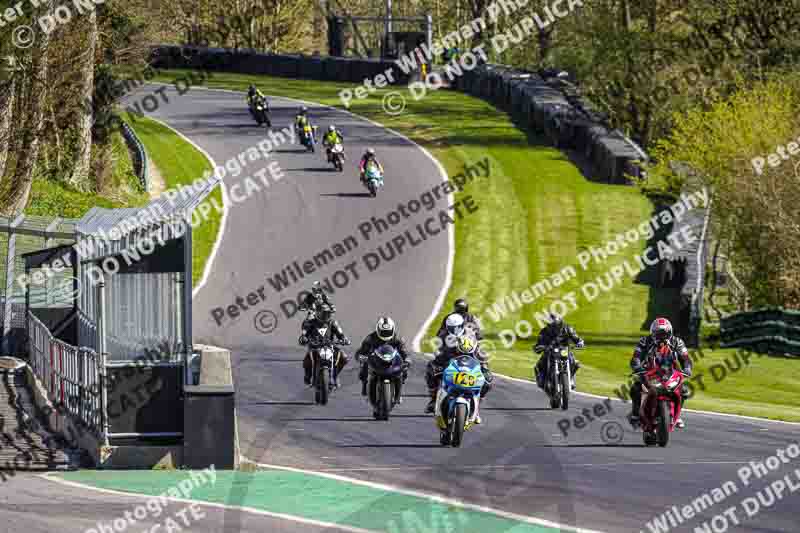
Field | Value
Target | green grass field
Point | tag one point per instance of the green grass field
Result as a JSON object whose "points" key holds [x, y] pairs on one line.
{"points": [[536, 213], [180, 163]]}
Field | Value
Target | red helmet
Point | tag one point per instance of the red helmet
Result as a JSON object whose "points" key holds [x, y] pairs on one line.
{"points": [[661, 330]]}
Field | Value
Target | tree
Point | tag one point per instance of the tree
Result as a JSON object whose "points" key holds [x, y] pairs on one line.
{"points": [[15, 197]]}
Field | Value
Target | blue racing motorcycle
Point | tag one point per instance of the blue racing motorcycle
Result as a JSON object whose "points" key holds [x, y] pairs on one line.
{"points": [[458, 399]]}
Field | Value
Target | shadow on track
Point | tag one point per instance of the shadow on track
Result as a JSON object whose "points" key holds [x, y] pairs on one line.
{"points": [[592, 446], [349, 194], [278, 403]]}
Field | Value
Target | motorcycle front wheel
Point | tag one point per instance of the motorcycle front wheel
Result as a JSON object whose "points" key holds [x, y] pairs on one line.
{"points": [[565, 388], [664, 423], [323, 382], [385, 405], [459, 420]]}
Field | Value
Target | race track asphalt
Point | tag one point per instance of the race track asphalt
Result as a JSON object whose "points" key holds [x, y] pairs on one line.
{"points": [[599, 477]]}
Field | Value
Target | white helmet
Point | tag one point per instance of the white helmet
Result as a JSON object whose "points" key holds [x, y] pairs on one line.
{"points": [[331, 128], [455, 324], [385, 328]]}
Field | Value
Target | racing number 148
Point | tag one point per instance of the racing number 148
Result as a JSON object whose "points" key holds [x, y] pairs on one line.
{"points": [[462, 378]]}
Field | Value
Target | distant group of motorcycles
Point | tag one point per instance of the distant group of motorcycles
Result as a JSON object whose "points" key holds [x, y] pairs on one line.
{"points": [[371, 172], [459, 375]]}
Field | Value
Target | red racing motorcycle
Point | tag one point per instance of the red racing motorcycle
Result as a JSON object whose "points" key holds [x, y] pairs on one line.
{"points": [[661, 398]]}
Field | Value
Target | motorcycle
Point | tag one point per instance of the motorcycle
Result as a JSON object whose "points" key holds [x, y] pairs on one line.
{"points": [[558, 375], [307, 135], [661, 400], [458, 399], [372, 179], [385, 379], [337, 156], [323, 370], [260, 112]]}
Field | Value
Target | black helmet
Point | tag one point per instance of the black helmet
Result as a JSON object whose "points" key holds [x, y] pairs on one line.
{"points": [[556, 321], [303, 110], [460, 306], [252, 87]]}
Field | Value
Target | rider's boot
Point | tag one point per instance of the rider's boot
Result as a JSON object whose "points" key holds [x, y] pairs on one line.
{"points": [[431, 407], [478, 412], [363, 377], [636, 403], [575, 368]]}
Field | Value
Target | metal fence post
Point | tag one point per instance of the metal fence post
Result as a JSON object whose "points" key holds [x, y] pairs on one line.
{"points": [[101, 361], [187, 298]]}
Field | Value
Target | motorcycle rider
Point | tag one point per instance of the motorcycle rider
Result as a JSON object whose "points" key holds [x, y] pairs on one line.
{"points": [[253, 93], [301, 121], [366, 159], [434, 369], [323, 317], [316, 298], [465, 345], [556, 331], [460, 307], [385, 333], [660, 336], [332, 138]]}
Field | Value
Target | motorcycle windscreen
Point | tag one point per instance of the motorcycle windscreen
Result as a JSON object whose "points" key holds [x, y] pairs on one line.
{"points": [[463, 375]]}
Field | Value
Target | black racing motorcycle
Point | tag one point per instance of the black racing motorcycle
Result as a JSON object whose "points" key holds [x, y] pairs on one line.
{"points": [[260, 111], [385, 379], [323, 360], [558, 375]]}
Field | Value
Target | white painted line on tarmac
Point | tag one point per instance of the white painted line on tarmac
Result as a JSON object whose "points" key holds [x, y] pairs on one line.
{"points": [[251, 510], [226, 203], [432, 497]]}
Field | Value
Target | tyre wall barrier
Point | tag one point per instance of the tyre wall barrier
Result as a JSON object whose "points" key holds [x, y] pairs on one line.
{"points": [[769, 330], [551, 105], [300, 66]]}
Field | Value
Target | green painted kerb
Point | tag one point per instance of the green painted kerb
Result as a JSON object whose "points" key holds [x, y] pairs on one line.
{"points": [[317, 498]]}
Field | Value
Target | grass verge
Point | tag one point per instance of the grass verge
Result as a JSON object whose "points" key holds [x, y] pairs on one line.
{"points": [[180, 163], [55, 198], [536, 213]]}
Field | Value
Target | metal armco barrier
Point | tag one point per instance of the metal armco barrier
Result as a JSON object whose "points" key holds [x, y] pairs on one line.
{"points": [[765, 330], [140, 156]]}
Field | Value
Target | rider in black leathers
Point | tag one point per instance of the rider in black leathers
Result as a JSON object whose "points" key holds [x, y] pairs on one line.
{"points": [[471, 325], [660, 334], [433, 372], [316, 298], [556, 330], [385, 333], [323, 316]]}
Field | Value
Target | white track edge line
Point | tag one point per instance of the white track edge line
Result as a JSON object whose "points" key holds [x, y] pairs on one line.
{"points": [[252, 510], [225, 208], [428, 496]]}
